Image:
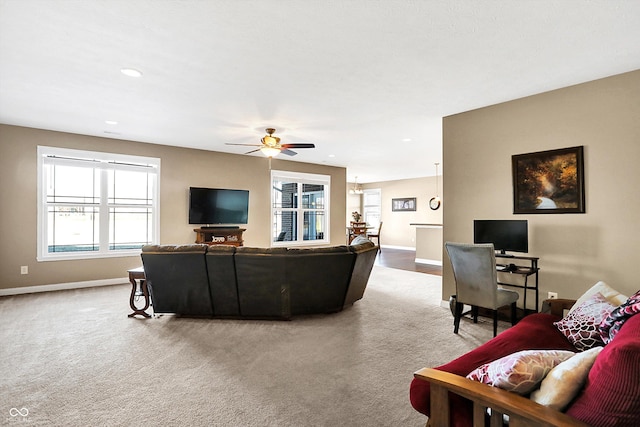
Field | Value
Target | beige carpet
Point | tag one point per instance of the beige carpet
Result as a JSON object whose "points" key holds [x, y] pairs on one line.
{"points": [[74, 358]]}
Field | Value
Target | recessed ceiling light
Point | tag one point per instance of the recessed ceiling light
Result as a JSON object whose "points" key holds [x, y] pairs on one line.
{"points": [[406, 140], [111, 122], [332, 155], [131, 72]]}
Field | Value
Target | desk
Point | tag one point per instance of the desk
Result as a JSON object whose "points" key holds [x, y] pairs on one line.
{"points": [[138, 274], [530, 269]]}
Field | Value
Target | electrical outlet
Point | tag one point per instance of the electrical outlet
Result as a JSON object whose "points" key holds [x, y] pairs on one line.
{"points": [[552, 295], [24, 269]]}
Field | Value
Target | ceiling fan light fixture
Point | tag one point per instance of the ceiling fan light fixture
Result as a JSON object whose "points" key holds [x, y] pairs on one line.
{"points": [[271, 141], [270, 151]]}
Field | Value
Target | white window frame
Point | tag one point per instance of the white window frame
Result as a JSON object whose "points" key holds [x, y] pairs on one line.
{"points": [[103, 162], [372, 210], [301, 178]]}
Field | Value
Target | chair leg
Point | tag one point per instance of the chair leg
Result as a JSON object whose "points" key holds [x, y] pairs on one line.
{"points": [[457, 316], [378, 240], [495, 322], [513, 314]]}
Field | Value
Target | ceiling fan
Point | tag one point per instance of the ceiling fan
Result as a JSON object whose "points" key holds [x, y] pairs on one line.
{"points": [[271, 147]]}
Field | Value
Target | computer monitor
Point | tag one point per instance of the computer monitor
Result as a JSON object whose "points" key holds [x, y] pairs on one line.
{"points": [[506, 235]]}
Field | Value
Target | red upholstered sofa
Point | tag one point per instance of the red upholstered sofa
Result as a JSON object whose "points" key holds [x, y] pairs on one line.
{"points": [[610, 396]]}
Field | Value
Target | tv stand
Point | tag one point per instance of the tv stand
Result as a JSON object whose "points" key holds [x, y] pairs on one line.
{"points": [[216, 227], [220, 235]]}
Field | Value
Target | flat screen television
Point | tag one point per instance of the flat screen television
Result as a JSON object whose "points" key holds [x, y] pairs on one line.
{"points": [[211, 206], [505, 234]]}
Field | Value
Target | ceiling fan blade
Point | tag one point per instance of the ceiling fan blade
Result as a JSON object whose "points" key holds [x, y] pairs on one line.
{"points": [[288, 152], [252, 151], [299, 145]]}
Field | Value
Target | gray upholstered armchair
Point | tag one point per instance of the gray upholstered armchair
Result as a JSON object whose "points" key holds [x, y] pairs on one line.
{"points": [[474, 270]]}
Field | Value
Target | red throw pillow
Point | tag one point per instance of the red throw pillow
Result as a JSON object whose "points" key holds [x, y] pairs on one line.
{"points": [[611, 396]]}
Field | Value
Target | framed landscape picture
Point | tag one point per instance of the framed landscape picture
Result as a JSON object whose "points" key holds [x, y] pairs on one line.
{"points": [[549, 182], [406, 204]]}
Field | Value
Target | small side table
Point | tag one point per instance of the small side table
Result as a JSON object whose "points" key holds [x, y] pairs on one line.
{"points": [[138, 274]]}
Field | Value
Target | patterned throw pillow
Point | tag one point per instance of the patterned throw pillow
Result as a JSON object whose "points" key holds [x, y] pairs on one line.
{"points": [[520, 372], [582, 325], [614, 321]]}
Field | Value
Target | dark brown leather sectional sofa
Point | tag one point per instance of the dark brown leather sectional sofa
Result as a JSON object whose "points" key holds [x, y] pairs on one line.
{"points": [[244, 282]]}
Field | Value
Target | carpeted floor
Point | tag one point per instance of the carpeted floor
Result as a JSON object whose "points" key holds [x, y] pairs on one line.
{"points": [[74, 358]]}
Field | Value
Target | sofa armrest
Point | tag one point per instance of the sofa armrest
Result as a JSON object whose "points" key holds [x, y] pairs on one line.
{"points": [[557, 306], [521, 411]]}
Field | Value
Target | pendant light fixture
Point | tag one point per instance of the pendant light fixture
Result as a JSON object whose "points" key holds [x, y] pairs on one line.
{"points": [[435, 202], [357, 189]]}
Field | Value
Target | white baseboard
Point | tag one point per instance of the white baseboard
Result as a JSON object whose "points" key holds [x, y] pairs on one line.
{"points": [[428, 261], [63, 286], [402, 248]]}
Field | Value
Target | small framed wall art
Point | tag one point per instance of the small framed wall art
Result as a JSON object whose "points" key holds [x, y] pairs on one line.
{"points": [[405, 204], [549, 182]]}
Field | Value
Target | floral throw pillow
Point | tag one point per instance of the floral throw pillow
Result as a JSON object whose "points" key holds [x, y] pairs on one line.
{"points": [[614, 321], [582, 325], [520, 372]]}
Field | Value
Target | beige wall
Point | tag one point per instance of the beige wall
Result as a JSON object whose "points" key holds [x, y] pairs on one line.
{"points": [[396, 230], [180, 169], [575, 250]]}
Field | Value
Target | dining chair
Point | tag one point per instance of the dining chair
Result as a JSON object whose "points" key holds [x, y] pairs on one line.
{"points": [[376, 234]]}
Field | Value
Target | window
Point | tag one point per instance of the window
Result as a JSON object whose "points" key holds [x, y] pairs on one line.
{"points": [[372, 206], [300, 208], [95, 205]]}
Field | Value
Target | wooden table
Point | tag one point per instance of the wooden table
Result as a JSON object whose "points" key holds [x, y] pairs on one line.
{"points": [[359, 230], [138, 274]]}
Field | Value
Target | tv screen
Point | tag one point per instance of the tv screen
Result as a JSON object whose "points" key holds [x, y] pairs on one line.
{"points": [[218, 206], [506, 235]]}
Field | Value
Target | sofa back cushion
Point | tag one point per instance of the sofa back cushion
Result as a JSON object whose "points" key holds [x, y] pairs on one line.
{"points": [[222, 280], [177, 279], [365, 256], [262, 287], [318, 278], [611, 396]]}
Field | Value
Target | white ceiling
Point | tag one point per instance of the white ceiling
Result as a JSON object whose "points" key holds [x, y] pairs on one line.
{"points": [[356, 77]]}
